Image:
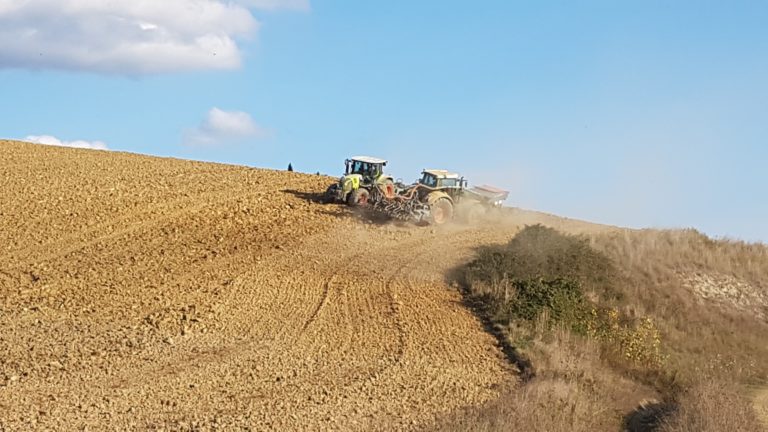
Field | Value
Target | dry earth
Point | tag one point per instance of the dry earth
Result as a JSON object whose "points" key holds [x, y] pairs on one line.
{"points": [[146, 293], [761, 405]]}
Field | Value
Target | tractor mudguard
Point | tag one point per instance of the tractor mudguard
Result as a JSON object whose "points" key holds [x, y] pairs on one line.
{"points": [[350, 183], [434, 196], [387, 185]]}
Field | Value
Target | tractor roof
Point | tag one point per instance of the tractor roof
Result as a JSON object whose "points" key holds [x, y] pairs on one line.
{"points": [[369, 159], [442, 173]]}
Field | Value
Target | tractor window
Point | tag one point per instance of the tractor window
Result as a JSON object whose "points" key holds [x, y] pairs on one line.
{"points": [[365, 169], [359, 168], [450, 182], [429, 180]]}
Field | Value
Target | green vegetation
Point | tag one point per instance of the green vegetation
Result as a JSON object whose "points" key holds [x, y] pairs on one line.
{"points": [[539, 252], [544, 273], [609, 321]]}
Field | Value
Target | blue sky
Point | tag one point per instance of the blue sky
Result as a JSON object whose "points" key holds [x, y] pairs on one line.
{"points": [[635, 113]]}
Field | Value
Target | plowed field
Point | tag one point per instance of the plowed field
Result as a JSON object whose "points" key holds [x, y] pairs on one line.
{"points": [[146, 293]]}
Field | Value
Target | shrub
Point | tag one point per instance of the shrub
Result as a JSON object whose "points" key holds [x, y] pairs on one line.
{"points": [[580, 320], [562, 299], [544, 273], [539, 252], [637, 342]]}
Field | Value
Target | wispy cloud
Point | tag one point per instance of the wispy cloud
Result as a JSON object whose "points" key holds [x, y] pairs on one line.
{"points": [[224, 127], [296, 5], [131, 37], [51, 140]]}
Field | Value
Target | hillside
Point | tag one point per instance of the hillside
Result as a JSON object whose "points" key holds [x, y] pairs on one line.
{"points": [[149, 293]]}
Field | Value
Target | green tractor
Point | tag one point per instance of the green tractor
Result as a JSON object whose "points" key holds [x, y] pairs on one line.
{"points": [[448, 195], [440, 190], [363, 174]]}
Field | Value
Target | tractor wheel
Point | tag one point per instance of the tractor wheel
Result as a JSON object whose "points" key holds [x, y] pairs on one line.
{"points": [[441, 211], [358, 197]]}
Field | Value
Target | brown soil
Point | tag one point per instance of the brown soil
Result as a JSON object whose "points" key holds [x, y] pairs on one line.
{"points": [[761, 405], [146, 293]]}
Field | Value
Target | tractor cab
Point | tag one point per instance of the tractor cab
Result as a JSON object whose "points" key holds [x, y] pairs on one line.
{"points": [[366, 166], [362, 175], [441, 179], [446, 182]]}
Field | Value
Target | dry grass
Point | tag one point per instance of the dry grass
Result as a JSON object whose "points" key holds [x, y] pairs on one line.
{"points": [[713, 407], [551, 405], [573, 391], [704, 295], [709, 301], [759, 397]]}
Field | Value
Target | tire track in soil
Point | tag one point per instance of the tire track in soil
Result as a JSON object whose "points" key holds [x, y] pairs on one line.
{"points": [[220, 357], [337, 329], [188, 198], [352, 379], [402, 337], [206, 359], [352, 317], [407, 266], [393, 362], [387, 310], [326, 287], [430, 261], [174, 368], [130, 226]]}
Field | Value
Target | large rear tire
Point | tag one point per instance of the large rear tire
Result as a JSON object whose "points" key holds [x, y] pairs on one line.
{"points": [[441, 211], [358, 198]]}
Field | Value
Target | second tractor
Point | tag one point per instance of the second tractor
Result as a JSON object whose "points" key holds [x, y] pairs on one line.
{"points": [[437, 197]]}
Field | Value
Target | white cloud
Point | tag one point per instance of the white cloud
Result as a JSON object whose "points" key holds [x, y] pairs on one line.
{"points": [[130, 37], [223, 127], [51, 140], [299, 5]]}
